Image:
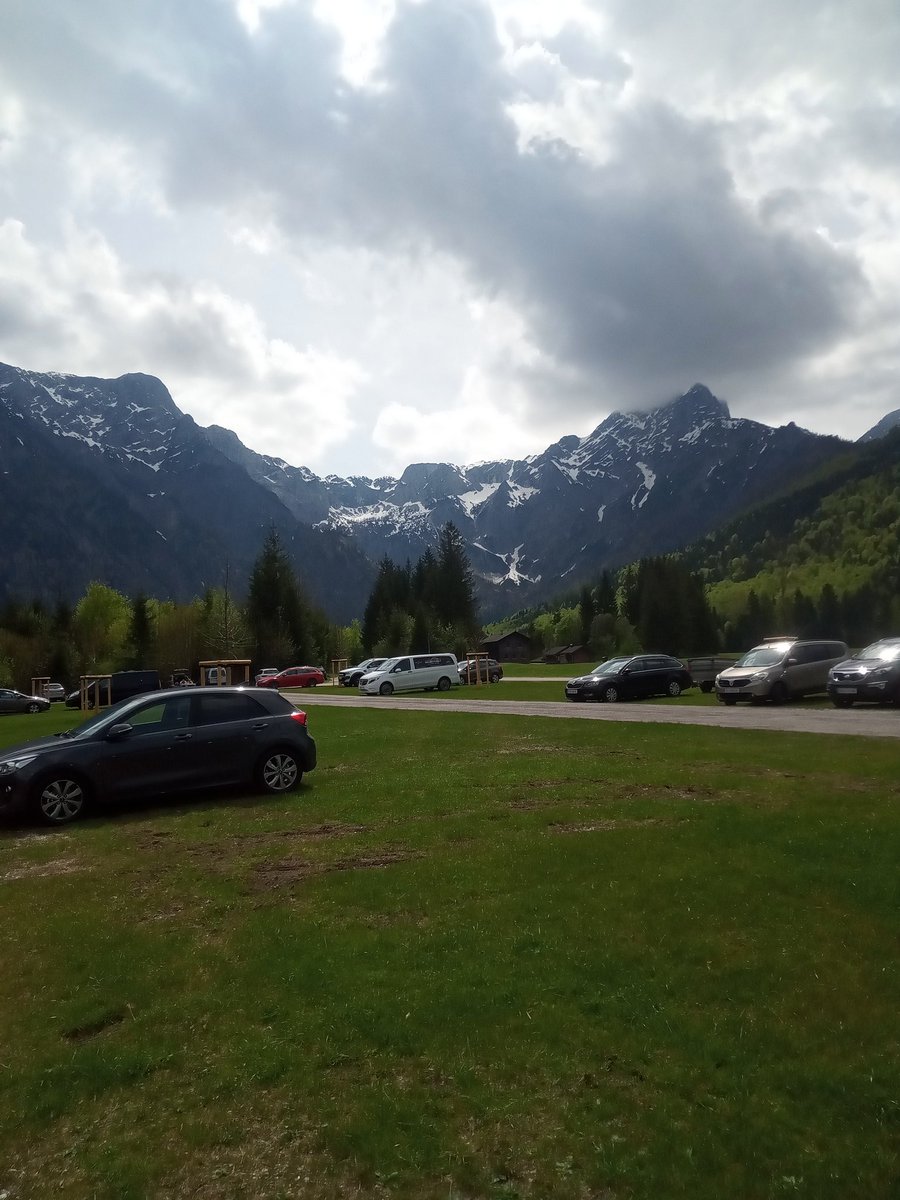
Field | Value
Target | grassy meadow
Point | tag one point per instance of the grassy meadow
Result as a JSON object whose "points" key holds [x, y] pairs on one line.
{"points": [[473, 956]]}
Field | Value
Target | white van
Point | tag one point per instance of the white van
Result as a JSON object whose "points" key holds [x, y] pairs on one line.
{"points": [[412, 673]]}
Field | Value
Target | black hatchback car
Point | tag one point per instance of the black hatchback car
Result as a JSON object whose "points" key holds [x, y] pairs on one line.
{"points": [[631, 678], [178, 740], [871, 674]]}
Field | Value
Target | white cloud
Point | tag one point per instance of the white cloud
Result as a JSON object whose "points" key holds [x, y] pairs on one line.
{"points": [[82, 311], [454, 219]]}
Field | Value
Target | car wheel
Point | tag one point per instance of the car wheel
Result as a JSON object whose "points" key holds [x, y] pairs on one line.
{"points": [[729, 700], [443, 684], [779, 693], [841, 701], [60, 799], [386, 689], [674, 688], [32, 708], [610, 694], [495, 678], [278, 771]]}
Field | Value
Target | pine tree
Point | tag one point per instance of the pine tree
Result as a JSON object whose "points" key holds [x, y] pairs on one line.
{"points": [[141, 633], [276, 608]]}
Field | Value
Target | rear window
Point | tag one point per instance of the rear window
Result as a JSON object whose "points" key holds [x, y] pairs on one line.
{"points": [[432, 660], [216, 708]]}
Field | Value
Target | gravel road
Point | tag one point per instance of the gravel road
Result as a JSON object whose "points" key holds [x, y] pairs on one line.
{"points": [[859, 722]]}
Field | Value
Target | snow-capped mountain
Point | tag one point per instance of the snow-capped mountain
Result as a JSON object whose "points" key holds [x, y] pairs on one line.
{"points": [[149, 500], [108, 479], [640, 483]]}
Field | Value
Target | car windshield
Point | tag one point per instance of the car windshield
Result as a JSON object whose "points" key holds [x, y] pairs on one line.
{"points": [[611, 667], [764, 656], [886, 651], [386, 665]]}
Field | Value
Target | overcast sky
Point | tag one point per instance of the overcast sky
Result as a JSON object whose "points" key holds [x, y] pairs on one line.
{"points": [[363, 233]]}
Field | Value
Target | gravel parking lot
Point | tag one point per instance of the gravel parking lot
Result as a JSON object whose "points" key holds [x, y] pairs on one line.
{"points": [[858, 722]]}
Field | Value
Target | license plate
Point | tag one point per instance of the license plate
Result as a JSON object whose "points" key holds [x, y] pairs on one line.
{"points": [[846, 691]]}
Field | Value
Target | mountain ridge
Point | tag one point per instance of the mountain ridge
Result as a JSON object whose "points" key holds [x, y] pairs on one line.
{"points": [[639, 483]]}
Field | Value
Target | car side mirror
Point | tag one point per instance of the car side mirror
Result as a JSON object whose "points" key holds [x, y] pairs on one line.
{"points": [[625, 671], [118, 733]]}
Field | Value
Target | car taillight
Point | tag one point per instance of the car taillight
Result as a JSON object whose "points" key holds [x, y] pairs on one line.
{"points": [[299, 716]]}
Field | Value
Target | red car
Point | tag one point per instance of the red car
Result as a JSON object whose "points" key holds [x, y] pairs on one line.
{"points": [[294, 677]]}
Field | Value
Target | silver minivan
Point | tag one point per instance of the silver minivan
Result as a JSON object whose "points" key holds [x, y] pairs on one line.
{"points": [[779, 669], [411, 673]]}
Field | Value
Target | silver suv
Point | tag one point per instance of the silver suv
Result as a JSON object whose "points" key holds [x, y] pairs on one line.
{"points": [[779, 669]]}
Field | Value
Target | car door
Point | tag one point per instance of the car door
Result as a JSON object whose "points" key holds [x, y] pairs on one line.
{"points": [[226, 726], [155, 756], [803, 667], [401, 675], [656, 675], [637, 677]]}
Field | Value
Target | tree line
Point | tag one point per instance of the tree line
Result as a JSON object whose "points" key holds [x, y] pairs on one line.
{"points": [[427, 606], [421, 607], [656, 604], [662, 604]]}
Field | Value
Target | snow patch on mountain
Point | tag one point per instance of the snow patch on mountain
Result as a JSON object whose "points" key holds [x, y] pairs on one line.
{"points": [[510, 561], [519, 494], [412, 517], [472, 500], [646, 487]]}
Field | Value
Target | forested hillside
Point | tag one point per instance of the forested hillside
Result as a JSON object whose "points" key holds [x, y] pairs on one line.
{"points": [[824, 558]]}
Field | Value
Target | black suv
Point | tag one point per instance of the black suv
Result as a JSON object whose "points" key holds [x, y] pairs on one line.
{"points": [[870, 674], [177, 740], [120, 686], [638, 676]]}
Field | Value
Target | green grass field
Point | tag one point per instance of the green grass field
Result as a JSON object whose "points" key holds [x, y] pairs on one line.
{"points": [[474, 956]]}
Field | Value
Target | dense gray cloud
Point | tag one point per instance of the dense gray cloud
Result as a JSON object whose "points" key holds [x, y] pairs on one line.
{"points": [[670, 240]]}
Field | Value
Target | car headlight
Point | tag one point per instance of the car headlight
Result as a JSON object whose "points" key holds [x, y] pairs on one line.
{"points": [[759, 676], [877, 672], [9, 765]]}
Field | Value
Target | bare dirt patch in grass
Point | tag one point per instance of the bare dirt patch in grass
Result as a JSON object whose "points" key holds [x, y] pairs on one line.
{"points": [[273, 876], [60, 866], [611, 823], [80, 1033]]}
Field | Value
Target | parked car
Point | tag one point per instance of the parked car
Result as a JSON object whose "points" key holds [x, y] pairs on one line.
{"points": [[265, 673], [294, 677], [12, 701], [178, 740], [779, 669], [632, 677], [350, 676], [870, 674], [488, 669], [411, 673], [54, 692], [122, 685]]}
